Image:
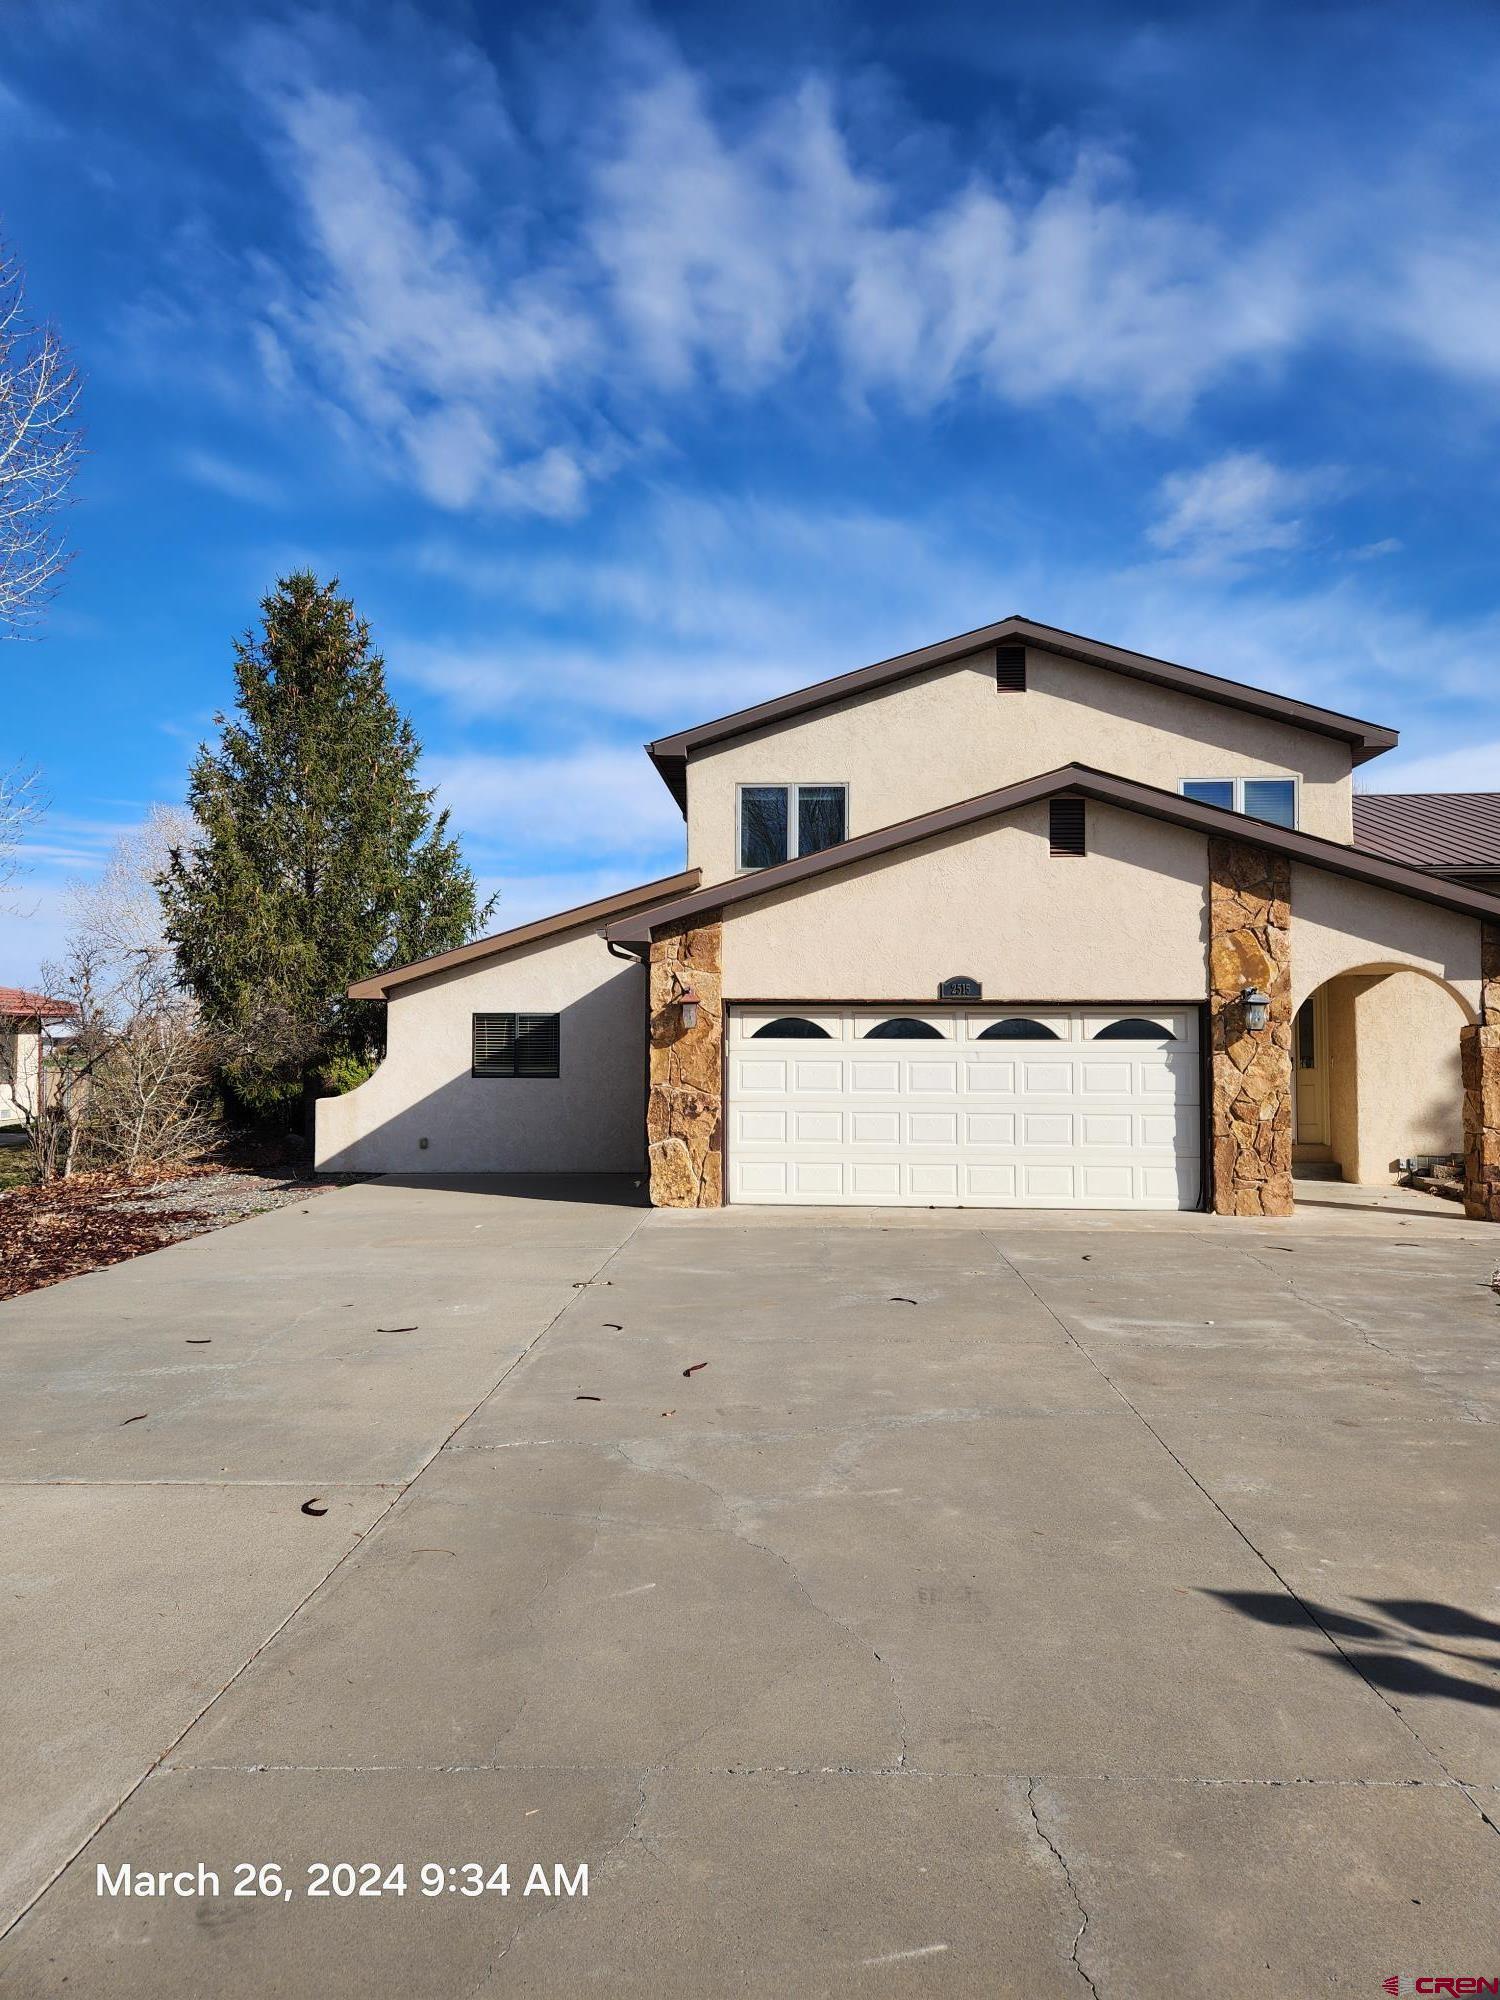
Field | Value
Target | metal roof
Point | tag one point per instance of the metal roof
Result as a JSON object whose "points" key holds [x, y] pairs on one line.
{"points": [[1450, 832]]}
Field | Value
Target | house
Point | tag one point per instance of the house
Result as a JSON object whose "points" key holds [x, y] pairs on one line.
{"points": [[24, 1018], [1019, 919]]}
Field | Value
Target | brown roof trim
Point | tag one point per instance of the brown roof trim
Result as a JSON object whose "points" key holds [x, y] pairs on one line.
{"points": [[378, 985], [1083, 780], [670, 753]]}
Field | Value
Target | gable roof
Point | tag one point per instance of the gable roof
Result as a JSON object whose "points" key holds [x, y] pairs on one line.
{"points": [[1452, 833], [670, 753], [379, 984], [1077, 780]]}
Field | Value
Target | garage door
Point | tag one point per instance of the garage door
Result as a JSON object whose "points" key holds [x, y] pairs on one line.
{"points": [[974, 1107]]}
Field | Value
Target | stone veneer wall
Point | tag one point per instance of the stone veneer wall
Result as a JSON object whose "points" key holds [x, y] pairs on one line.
{"points": [[1250, 945], [685, 1104], [1479, 1049]]}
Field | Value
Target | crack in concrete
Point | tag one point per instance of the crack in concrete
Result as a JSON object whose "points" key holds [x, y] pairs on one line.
{"points": [[1061, 1859], [543, 1909], [733, 1508]]}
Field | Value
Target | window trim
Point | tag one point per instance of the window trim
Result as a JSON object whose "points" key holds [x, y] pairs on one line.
{"points": [[1237, 788], [791, 786], [517, 1015]]}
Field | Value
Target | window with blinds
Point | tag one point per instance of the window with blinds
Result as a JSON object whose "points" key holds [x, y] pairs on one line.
{"points": [[516, 1044]]}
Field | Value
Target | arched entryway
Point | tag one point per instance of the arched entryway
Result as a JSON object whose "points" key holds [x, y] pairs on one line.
{"points": [[1375, 1073]]}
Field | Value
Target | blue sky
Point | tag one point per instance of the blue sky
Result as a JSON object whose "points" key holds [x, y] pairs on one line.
{"points": [[627, 366]]}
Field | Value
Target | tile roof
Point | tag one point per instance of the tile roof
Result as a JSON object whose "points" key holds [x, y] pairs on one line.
{"points": [[1447, 831], [17, 1004]]}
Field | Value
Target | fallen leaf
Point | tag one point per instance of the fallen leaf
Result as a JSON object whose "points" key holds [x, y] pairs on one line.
{"points": [[900, 1299], [206, 1341], [694, 1369], [398, 1329], [588, 1399], [312, 1507], [669, 1413], [614, 1326], [136, 1420]]}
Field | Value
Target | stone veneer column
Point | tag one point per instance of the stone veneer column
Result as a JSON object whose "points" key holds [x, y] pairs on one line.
{"points": [[1479, 1050], [1250, 945], [685, 1104]]}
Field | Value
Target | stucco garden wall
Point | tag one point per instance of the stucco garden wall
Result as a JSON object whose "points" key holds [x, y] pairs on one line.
{"points": [[950, 735], [1126, 921], [591, 1118]]}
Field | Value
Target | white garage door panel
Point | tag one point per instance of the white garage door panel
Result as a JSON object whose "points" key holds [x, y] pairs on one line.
{"points": [[1065, 1122]]}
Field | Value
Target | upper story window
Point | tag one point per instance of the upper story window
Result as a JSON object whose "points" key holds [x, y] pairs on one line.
{"points": [[1274, 799], [779, 822]]}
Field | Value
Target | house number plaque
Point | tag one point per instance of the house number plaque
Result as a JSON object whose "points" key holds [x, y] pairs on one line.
{"points": [[960, 987]]}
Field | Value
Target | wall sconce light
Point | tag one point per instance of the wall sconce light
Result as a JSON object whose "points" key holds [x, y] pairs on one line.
{"points": [[689, 1001], [1257, 1005]]}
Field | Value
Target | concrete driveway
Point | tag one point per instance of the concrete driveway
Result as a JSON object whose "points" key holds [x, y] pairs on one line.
{"points": [[1011, 1605]]}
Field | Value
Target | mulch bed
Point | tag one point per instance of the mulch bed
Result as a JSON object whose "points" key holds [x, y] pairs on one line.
{"points": [[66, 1227]]}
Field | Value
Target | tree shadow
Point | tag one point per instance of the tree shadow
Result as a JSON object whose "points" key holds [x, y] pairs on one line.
{"points": [[1397, 1649]]}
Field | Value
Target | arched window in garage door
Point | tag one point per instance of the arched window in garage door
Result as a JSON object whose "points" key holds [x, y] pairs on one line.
{"points": [[1018, 1030], [1134, 1029], [791, 1027], [904, 1028]]}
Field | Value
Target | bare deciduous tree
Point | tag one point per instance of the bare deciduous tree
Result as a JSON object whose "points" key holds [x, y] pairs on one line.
{"points": [[132, 1085], [40, 446]]}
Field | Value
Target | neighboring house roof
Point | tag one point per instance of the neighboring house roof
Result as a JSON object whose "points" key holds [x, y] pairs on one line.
{"points": [[670, 753], [1452, 833], [378, 985], [16, 1004], [1082, 781]]}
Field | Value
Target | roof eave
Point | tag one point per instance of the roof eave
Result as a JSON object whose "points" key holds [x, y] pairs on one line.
{"points": [[1366, 739], [378, 986], [1107, 788]]}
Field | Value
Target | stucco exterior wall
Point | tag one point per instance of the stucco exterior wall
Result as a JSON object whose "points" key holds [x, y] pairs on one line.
{"points": [[1341, 926], [1394, 1082], [20, 1051], [591, 1118], [951, 735], [1126, 921]]}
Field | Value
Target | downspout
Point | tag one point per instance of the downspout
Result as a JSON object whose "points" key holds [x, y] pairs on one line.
{"points": [[639, 957]]}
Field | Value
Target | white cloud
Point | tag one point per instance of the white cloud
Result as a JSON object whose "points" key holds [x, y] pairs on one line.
{"points": [[234, 481], [507, 347], [1473, 767], [598, 799], [1235, 507]]}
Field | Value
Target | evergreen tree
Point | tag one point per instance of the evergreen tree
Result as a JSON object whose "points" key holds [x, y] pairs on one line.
{"points": [[318, 858]]}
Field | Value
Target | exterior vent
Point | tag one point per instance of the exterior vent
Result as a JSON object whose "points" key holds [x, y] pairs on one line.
{"points": [[1010, 669], [1065, 826]]}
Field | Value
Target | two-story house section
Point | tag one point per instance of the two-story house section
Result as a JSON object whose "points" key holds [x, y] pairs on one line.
{"points": [[1019, 919]]}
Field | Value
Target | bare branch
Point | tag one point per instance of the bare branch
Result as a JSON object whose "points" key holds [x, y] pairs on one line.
{"points": [[20, 808], [40, 446]]}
